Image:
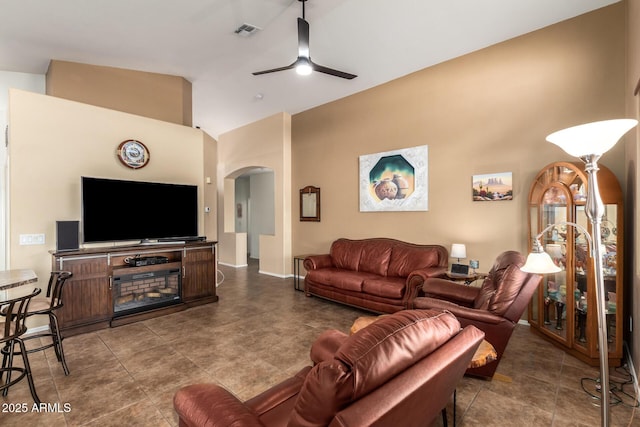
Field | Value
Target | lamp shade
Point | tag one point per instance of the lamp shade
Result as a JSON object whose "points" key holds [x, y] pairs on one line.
{"points": [[540, 263], [458, 250], [591, 138]]}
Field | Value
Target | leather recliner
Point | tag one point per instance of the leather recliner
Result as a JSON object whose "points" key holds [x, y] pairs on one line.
{"points": [[399, 371], [495, 308]]}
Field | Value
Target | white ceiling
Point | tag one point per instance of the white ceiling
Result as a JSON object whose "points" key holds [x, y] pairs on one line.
{"points": [[379, 40]]}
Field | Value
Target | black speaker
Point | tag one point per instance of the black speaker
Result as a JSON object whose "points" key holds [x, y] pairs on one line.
{"points": [[67, 235]]}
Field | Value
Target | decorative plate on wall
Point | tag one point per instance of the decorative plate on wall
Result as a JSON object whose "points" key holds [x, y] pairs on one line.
{"points": [[133, 154]]}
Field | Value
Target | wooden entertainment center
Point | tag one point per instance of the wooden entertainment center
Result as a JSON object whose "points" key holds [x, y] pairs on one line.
{"points": [[190, 271]]}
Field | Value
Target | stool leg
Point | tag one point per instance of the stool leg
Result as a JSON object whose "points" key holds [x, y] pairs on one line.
{"points": [[9, 357], [455, 393], [57, 340], [5, 356], [27, 368]]}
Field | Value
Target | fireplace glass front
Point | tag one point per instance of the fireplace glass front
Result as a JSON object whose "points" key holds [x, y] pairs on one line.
{"points": [[134, 293]]}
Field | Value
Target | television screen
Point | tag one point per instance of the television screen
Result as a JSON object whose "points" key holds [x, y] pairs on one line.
{"points": [[116, 210]]}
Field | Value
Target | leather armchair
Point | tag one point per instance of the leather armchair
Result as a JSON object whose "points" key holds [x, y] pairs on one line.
{"points": [[383, 375], [495, 308]]}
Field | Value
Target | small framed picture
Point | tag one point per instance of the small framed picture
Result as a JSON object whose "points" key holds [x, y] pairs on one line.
{"points": [[492, 187]]}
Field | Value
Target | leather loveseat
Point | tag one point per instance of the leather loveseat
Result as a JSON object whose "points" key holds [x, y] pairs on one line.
{"points": [[379, 274], [399, 371]]}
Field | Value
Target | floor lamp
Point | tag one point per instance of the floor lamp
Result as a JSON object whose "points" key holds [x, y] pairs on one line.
{"points": [[588, 142]]}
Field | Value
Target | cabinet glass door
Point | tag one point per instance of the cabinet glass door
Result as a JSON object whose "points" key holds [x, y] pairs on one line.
{"points": [[582, 270], [534, 307], [609, 231], [554, 210]]}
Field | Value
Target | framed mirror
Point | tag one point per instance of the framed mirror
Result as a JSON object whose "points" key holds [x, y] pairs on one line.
{"points": [[310, 204]]}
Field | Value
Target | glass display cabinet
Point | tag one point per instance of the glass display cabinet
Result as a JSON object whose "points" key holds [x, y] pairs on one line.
{"points": [[563, 307]]}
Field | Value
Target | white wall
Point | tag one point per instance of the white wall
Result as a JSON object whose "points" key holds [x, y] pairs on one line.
{"points": [[262, 210], [54, 141], [10, 80], [242, 199]]}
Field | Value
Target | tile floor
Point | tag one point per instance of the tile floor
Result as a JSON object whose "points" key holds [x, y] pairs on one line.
{"points": [[258, 334]]}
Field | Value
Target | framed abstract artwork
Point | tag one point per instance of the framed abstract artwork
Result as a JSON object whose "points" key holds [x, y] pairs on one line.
{"points": [[395, 180]]}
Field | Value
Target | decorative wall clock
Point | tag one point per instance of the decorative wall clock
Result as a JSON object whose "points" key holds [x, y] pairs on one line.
{"points": [[133, 154]]}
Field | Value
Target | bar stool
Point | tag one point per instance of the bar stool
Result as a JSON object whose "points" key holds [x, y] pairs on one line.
{"points": [[11, 331], [48, 306]]}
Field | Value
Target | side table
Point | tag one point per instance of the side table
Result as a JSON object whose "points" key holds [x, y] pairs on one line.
{"points": [[297, 260], [467, 279]]}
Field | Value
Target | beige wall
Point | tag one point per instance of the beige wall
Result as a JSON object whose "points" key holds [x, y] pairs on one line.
{"points": [[159, 96], [53, 142], [265, 143], [632, 292], [485, 112]]}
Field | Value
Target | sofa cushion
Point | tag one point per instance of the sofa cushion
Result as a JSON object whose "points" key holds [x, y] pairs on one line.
{"points": [[509, 284], [405, 259], [341, 279], [368, 359], [375, 257], [497, 293], [387, 287], [486, 292], [346, 254]]}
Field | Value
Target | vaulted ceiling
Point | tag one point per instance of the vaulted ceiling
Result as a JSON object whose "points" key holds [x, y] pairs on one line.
{"points": [[379, 40]]}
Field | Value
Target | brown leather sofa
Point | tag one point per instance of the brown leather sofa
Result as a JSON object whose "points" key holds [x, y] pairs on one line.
{"points": [[399, 371], [379, 274], [495, 307]]}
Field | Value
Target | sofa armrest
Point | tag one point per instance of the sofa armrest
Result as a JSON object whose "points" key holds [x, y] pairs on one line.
{"points": [[450, 291], [429, 272], [314, 262], [465, 315], [415, 282], [209, 405], [326, 345]]}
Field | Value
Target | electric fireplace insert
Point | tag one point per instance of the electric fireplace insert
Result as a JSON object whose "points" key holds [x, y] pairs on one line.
{"points": [[134, 293]]}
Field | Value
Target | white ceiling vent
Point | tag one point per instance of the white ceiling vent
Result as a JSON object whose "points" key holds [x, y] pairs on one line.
{"points": [[245, 30]]}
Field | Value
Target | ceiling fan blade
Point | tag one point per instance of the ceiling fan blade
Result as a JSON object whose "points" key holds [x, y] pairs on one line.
{"points": [[304, 59], [332, 72], [303, 38], [273, 70]]}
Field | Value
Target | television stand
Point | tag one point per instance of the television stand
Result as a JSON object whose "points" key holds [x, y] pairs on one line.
{"points": [[89, 293]]}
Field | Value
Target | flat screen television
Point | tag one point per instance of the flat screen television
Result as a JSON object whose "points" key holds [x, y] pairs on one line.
{"points": [[117, 210]]}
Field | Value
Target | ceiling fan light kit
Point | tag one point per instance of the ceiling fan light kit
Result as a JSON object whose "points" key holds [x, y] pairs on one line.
{"points": [[303, 67], [303, 64]]}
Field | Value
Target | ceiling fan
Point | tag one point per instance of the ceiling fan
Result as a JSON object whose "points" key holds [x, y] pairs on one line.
{"points": [[303, 64]]}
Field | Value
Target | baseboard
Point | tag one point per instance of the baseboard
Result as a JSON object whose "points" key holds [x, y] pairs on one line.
{"points": [[523, 322], [280, 276], [233, 265]]}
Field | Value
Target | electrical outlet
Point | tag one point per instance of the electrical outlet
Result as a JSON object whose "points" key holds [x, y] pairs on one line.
{"points": [[32, 239]]}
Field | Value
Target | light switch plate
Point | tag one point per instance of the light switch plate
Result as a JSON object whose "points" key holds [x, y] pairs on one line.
{"points": [[32, 239]]}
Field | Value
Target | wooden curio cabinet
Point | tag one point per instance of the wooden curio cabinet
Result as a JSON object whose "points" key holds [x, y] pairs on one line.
{"points": [[563, 307]]}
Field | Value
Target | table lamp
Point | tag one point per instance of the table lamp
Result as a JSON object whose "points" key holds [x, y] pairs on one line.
{"points": [[588, 142], [459, 250]]}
